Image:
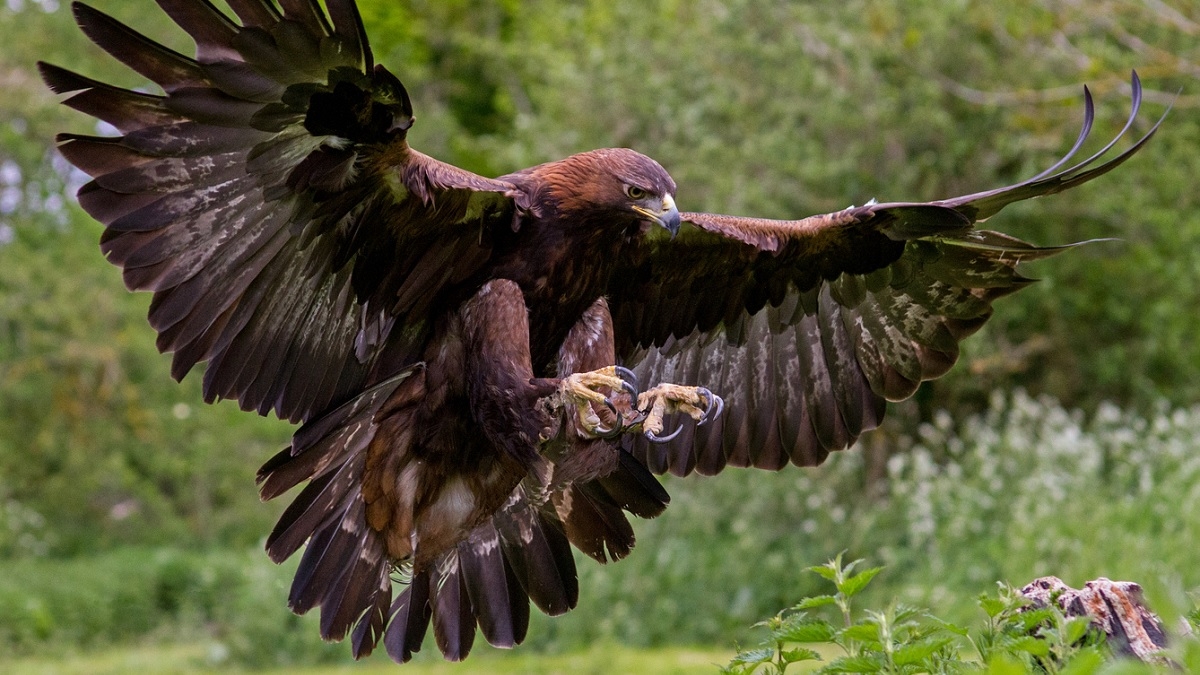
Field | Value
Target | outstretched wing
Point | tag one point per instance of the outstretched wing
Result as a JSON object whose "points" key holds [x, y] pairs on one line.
{"points": [[270, 201], [808, 327]]}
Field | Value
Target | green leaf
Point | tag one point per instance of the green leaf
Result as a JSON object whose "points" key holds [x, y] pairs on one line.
{"points": [[753, 657], [1029, 645], [906, 615], [823, 570], [917, 652], [809, 630], [949, 627], [795, 655], [1191, 655], [859, 581], [849, 566], [1027, 621], [1084, 662], [1193, 619], [862, 632], [1077, 628], [991, 606], [815, 601], [1006, 664]]}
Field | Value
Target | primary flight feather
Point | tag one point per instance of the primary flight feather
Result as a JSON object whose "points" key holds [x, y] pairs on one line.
{"points": [[462, 351]]}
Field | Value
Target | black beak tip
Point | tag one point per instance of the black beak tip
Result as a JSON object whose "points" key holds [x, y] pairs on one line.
{"points": [[671, 221]]}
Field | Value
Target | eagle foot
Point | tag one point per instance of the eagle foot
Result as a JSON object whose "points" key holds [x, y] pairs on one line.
{"points": [[582, 390], [697, 402]]}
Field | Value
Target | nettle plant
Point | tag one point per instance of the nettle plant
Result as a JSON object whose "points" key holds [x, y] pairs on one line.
{"points": [[1017, 637]]}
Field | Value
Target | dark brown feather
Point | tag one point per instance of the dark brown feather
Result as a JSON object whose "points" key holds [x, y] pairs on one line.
{"points": [[453, 622], [255, 12], [126, 110], [409, 621], [499, 605], [371, 626], [223, 198], [593, 522], [212, 31], [539, 554], [166, 68], [348, 25]]}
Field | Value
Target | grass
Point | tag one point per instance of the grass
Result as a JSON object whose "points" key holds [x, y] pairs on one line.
{"points": [[204, 658], [1024, 490]]}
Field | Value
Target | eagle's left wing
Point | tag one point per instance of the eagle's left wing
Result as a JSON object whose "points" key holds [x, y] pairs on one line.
{"points": [[269, 199], [807, 327]]}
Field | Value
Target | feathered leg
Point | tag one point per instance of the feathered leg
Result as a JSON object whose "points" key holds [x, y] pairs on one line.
{"points": [[501, 389]]}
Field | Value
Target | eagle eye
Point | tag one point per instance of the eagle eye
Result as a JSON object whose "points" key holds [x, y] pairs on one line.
{"points": [[636, 193]]}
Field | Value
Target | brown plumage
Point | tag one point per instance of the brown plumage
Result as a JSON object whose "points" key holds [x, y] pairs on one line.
{"points": [[417, 318]]}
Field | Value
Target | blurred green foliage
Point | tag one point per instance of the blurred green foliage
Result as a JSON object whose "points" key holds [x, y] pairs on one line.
{"points": [[755, 107], [230, 597]]}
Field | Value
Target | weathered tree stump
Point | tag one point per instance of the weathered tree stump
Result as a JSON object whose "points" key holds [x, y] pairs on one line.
{"points": [[1115, 607]]}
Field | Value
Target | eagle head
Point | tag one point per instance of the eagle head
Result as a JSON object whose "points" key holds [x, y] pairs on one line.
{"points": [[617, 185]]}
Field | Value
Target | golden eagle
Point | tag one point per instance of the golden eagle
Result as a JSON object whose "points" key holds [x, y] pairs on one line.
{"points": [[428, 326]]}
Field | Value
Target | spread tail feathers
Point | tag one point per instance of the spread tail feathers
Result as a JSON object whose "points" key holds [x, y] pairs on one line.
{"points": [[488, 580]]}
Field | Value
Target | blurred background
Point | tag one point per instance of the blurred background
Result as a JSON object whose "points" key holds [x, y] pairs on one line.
{"points": [[1064, 442]]}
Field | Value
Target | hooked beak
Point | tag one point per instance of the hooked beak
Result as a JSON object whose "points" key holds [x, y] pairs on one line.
{"points": [[668, 216]]}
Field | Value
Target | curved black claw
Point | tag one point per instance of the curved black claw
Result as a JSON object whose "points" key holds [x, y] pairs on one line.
{"points": [[650, 436], [612, 408], [629, 381], [629, 384], [609, 434], [711, 401]]}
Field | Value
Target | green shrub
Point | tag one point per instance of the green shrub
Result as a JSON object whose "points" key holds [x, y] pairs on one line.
{"points": [[236, 600], [1017, 637], [257, 629]]}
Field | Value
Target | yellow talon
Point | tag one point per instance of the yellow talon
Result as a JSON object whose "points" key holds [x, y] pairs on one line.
{"points": [[583, 390], [696, 402]]}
